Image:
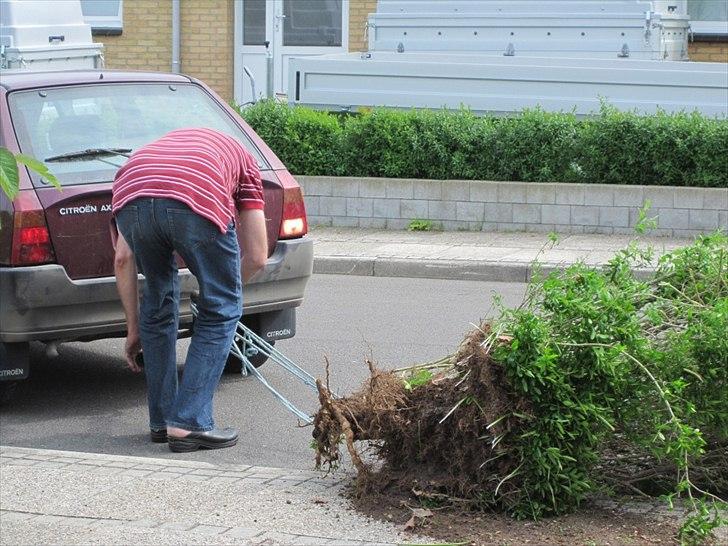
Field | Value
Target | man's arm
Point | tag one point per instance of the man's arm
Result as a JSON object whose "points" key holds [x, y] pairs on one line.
{"points": [[255, 241], [126, 283]]}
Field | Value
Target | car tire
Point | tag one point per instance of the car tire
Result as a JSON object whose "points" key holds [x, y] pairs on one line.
{"points": [[235, 365]]}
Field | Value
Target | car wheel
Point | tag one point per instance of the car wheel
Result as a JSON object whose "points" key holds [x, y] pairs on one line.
{"points": [[235, 365]]}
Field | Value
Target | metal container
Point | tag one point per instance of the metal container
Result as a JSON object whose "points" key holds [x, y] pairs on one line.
{"points": [[505, 85], [46, 35], [674, 35], [612, 29]]}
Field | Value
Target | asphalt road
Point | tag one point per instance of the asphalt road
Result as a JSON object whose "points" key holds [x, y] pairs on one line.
{"points": [[86, 400]]}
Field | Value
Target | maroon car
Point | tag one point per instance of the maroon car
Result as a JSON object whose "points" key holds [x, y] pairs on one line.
{"points": [[56, 258]]}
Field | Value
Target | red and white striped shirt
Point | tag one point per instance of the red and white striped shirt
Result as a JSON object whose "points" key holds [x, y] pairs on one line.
{"points": [[209, 171]]}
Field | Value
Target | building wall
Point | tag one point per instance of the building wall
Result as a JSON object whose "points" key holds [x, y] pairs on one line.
{"points": [[208, 28], [146, 40], [708, 51], [207, 31], [359, 10]]}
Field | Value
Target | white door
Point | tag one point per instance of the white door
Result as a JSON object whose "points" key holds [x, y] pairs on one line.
{"points": [[268, 33]]}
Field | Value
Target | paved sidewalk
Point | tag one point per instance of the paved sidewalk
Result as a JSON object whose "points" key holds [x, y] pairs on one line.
{"points": [[64, 497], [464, 255]]}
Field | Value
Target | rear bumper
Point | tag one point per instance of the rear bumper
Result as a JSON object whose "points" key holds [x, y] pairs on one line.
{"points": [[43, 303]]}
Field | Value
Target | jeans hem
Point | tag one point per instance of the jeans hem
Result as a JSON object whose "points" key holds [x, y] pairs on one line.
{"points": [[189, 428]]}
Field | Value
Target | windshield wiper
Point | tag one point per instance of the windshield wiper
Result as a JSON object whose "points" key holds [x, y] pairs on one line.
{"points": [[89, 155]]}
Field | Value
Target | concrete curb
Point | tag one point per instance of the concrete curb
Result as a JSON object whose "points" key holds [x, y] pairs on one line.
{"points": [[413, 268], [437, 269], [72, 458]]}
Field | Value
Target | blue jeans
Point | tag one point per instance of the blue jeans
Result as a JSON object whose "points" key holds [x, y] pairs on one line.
{"points": [[155, 228]]}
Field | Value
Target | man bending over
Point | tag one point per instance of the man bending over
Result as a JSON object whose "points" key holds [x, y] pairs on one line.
{"points": [[186, 193]]}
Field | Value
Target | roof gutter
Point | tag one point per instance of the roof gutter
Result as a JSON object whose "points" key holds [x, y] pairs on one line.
{"points": [[176, 24]]}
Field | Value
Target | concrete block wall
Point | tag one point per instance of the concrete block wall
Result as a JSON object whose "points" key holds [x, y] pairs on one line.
{"points": [[511, 206], [145, 43]]}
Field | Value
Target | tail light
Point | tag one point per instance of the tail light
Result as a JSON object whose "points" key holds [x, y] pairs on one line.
{"points": [[293, 222], [31, 239]]}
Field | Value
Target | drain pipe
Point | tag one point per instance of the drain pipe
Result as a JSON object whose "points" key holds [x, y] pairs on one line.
{"points": [[176, 23]]}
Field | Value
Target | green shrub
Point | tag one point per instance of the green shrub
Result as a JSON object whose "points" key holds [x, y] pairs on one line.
{"points": [[667, 149], [596, 352], [538, 146], [305, 140], [382, 143], [535, 146], [698, 353], [568, 359]]}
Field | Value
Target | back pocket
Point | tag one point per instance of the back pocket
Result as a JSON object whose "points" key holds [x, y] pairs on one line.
{"points": [[189, 229]]}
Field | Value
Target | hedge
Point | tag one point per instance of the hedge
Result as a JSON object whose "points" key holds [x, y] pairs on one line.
{"points": [[683, 149]]}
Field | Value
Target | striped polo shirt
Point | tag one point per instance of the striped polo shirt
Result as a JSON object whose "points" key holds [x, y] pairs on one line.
{"points": [[209, 171]]}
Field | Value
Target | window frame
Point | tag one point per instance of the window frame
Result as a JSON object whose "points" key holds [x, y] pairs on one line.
{"points": [[105, 25], [289, 32], [708, 28]]}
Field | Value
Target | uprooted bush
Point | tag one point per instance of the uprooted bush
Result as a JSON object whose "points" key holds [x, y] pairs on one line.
{"points": [[599, 378], [612, 147]]}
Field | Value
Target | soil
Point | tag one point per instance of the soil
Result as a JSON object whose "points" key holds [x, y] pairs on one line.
{"points": [[597, 523]]}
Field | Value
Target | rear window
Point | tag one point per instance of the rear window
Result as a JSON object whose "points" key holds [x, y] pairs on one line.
{"points": [[56, 121]]}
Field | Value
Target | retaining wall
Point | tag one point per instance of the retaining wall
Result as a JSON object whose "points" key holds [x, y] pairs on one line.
{"points": [[511, 206]]}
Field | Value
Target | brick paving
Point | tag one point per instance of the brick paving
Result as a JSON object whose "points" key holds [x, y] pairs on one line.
{"points": [[84, 478], [68, 498]]}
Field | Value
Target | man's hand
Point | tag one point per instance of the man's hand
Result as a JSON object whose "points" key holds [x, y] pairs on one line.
{"points": [[132, 348]]}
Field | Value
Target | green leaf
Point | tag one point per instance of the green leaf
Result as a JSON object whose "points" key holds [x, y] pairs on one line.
{"points": [[39, 167], [9, 179]]}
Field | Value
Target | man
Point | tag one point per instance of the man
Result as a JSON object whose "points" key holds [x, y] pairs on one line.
{"points": [[185, 193]]}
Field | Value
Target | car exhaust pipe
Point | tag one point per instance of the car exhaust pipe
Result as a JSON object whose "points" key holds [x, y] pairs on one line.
{"points": [[51, 350]]}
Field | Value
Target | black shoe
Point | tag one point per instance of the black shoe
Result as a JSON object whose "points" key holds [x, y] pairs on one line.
{"points": [[216, 438], [158, 436]]}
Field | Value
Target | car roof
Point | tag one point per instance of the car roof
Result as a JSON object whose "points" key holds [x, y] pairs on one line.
{"points": [[26, 79]]}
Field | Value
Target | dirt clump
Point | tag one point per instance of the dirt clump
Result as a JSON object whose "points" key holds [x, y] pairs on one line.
{"points": [[444, 438]]}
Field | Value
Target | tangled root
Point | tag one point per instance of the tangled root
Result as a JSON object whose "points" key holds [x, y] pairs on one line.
{"points": [[448, 436]]}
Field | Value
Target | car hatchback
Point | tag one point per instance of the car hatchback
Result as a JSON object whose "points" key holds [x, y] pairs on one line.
{"points": [[56, 258]]}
